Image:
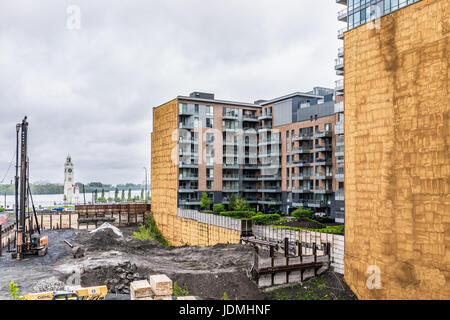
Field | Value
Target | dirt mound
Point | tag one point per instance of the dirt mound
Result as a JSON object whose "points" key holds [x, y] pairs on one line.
{"points": [[214, 285], [107, 239], [48, 284]]}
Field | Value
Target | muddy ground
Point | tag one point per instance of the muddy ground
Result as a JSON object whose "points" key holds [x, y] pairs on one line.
{"points": [[207, 272]]}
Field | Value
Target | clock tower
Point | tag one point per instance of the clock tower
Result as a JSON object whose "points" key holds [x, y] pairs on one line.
{"points": [[71, 191]]}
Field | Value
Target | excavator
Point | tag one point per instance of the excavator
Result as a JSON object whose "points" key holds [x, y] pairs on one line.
{"points": [[90, 293], [28, 243]]}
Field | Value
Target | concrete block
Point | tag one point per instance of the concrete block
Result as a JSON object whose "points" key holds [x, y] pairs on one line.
{"points": [[161, 285], [140, 289]]}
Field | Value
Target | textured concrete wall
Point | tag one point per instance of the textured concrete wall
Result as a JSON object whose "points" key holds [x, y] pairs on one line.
{"points": [[164, 180], [397, 159]]}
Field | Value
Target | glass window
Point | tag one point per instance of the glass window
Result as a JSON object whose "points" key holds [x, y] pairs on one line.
{"points": [[209, 111], [209, 122]]}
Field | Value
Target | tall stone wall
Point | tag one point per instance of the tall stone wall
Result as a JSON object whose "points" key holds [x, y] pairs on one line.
{"points": [[164, 173], [397, 158]]}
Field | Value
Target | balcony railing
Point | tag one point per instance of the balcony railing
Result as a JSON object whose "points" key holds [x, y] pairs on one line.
{"points": [[339, 195], [341, 52], [339, 86], [342, 15], [339, 129], [341, 33], [303, 137], [323, 134], [339, 107], [339, 64]]}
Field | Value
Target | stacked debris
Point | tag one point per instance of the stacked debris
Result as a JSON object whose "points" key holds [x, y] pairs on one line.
{"points": [[121, 277]]}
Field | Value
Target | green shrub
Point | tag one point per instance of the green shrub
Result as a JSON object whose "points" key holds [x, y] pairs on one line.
{"points": [[303, 213], [225, 296], [2, 209], [237, 214], [265, 218], [178, 291], [150, 231], [218, 208], [14, 291]]}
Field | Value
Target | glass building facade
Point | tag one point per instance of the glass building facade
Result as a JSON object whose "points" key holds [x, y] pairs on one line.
{"points": [[360, 12]]}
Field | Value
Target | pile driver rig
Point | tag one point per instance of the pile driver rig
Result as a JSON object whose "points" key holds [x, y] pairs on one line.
{"points": [[27, 242]]}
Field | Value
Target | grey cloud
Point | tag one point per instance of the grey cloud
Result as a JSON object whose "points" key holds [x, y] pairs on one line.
{"points": [[90, 92]]}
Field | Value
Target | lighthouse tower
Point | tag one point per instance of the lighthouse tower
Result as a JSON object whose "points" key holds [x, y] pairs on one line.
{"points": [[71, 191]]}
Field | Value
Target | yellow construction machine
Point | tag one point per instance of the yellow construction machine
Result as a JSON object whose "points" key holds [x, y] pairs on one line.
{"points": [[90, 293]]}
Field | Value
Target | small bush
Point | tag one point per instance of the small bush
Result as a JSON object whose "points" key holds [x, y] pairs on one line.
{"points": [[14, 291], [178, 291], [237, 214], [262, 219], [225, 296], [303, 213], [150, 231], [218, 208]]}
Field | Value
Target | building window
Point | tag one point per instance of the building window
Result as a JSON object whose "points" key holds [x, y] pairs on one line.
{"points": [[288, 143], [210, 185], [196, 109], [209, 173], [209, 122], [209, 111]]}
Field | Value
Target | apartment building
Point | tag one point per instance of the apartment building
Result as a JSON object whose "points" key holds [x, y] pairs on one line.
{"points": [[277, 154], [396, 148]]}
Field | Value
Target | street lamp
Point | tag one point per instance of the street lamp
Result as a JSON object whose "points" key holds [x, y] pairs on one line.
{"points": [[145, 185]]}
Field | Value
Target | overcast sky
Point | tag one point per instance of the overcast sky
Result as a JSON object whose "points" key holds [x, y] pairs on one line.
{"points": [[90, 91]]}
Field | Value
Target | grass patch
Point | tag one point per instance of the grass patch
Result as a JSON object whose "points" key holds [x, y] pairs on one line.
{"points": [[178, 291], [149, 231], [328, 229]]}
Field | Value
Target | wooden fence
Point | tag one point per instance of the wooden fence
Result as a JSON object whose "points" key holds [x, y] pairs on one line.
{"points": [[307, 238]]}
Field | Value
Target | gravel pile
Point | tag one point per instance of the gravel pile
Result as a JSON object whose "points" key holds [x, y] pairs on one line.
{"points": [[49, 284], [116, 278]]}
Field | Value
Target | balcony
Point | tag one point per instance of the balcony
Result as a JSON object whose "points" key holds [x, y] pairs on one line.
{"points": [[265, 117], [249, 166], [230, 190], [230, 178], [302, 163], [339, 87], [186, 112], [315, 203], [249, 190], [339, 107], [230, 116], [323, 191], [339, 128], [321, 177], [187, 165], [230, 166], [339, 195], [269, 142], [269, 178], [340, 177], [323, 134], [249, 118], [188, 126], [322, 162], [341, 33], [344, 2], [270, 201], [189, 202], [303, 177], [269, 155], [342, 15], [187, 141], [188, 178], [341, 52], [303, 137], [187, 190], [265, 129], [231, 130], [301, 150], [251, 178], [302, 190], [339, 64], [323, 148]]}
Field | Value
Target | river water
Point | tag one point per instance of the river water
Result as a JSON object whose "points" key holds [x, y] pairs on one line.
{"points": [[43, 200]]}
